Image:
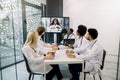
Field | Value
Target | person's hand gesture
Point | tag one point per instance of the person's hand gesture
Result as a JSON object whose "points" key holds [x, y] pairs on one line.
{"points": [[49, 57], [55, 47], [70, 53], [71, 46]]}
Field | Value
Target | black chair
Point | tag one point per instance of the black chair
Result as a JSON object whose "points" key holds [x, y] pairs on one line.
{"points": [[31, 74], [99, 70]]}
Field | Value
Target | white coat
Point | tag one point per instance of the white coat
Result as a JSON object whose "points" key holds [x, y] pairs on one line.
{"points": [[43, 47], [80, 45], [93, 58], [71, 36], [35, 60]]}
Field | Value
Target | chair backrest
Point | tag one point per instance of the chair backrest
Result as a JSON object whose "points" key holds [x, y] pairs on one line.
{"points": [[104, 54], [26, 63]]}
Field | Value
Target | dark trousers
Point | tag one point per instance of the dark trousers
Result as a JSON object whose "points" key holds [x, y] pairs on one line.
{"points": [[75, 70], [53, 72]]}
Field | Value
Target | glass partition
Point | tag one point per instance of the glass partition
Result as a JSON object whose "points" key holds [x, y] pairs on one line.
{"points": [[18, 30], [11, 33], [34, 2], [33, 17], [7, 38], [11, 28]]}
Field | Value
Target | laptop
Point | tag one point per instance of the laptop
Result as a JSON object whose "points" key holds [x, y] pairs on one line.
{"points": [[69, 41]]}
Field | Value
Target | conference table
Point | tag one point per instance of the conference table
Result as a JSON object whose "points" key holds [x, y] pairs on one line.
{"points": [[61, 58]]}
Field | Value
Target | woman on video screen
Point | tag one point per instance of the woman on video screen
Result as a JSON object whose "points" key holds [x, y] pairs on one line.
{"points": [[55, 26]]}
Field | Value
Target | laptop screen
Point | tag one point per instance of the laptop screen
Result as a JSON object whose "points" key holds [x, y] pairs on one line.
{"points": [[69, 41]]}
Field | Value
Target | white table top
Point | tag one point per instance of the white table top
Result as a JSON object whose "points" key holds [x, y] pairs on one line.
{"points": [[61, 58]]}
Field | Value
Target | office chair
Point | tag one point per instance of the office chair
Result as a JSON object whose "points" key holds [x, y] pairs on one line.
{"points": [[99, 70], [31, 74]]}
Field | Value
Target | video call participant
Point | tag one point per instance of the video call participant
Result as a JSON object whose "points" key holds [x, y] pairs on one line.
{"points": [[55, 26], [94, 53], [46, 48], [34, 56], [68, 35]]}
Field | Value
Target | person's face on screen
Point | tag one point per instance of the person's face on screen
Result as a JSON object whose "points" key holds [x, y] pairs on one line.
{"points": [[55, 21]]}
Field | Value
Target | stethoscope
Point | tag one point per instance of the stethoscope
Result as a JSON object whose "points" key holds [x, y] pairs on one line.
{"points": [[93, 45]]}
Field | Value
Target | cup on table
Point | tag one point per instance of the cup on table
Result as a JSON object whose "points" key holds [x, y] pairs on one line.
{"points": [[51, 53], [55, 47]]}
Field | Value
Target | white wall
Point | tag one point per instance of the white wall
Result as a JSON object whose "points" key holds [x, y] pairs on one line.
{"points": [[104, 15]]}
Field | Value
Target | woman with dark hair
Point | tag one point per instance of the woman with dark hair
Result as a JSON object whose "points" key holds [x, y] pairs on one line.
{"points": [[55, 21], [55, 26]]}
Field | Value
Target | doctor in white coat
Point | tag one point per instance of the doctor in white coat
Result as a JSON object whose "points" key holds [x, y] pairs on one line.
{"points": [[79, 43], [34, 56], [45, 48], [69, 35], [93, 58]]}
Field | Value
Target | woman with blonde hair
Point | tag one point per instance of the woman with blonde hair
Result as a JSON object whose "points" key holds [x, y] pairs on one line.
{"points": [[34, 56]]}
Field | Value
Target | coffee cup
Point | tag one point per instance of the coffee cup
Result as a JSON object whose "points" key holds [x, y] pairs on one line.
{"points": [[51, 53]]}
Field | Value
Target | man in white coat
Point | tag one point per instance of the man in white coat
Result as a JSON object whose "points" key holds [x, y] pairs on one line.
{"points": [[45, 48], [94, 52], [68, 35], [79, 43]]}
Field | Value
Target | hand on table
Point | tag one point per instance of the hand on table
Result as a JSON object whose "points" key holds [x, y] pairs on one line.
{"points": [[49, 57], [71, 46], [70, 53], [65, 44], [55, 47]]}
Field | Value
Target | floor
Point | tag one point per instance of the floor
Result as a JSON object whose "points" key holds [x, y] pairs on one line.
{"points": [[109, 71]]}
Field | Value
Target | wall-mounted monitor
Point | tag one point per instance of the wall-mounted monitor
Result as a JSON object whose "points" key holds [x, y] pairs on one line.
{"points": [[55, 24]]}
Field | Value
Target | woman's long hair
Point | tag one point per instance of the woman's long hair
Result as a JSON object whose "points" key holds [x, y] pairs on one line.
{"points": [[32, 39], [54, 20]]}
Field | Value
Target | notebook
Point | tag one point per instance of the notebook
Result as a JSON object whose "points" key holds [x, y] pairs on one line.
{"points": [[69, 41]]}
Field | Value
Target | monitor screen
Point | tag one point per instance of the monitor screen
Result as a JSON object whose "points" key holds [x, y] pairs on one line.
{"points": [[69, 41], [55, 24]]}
